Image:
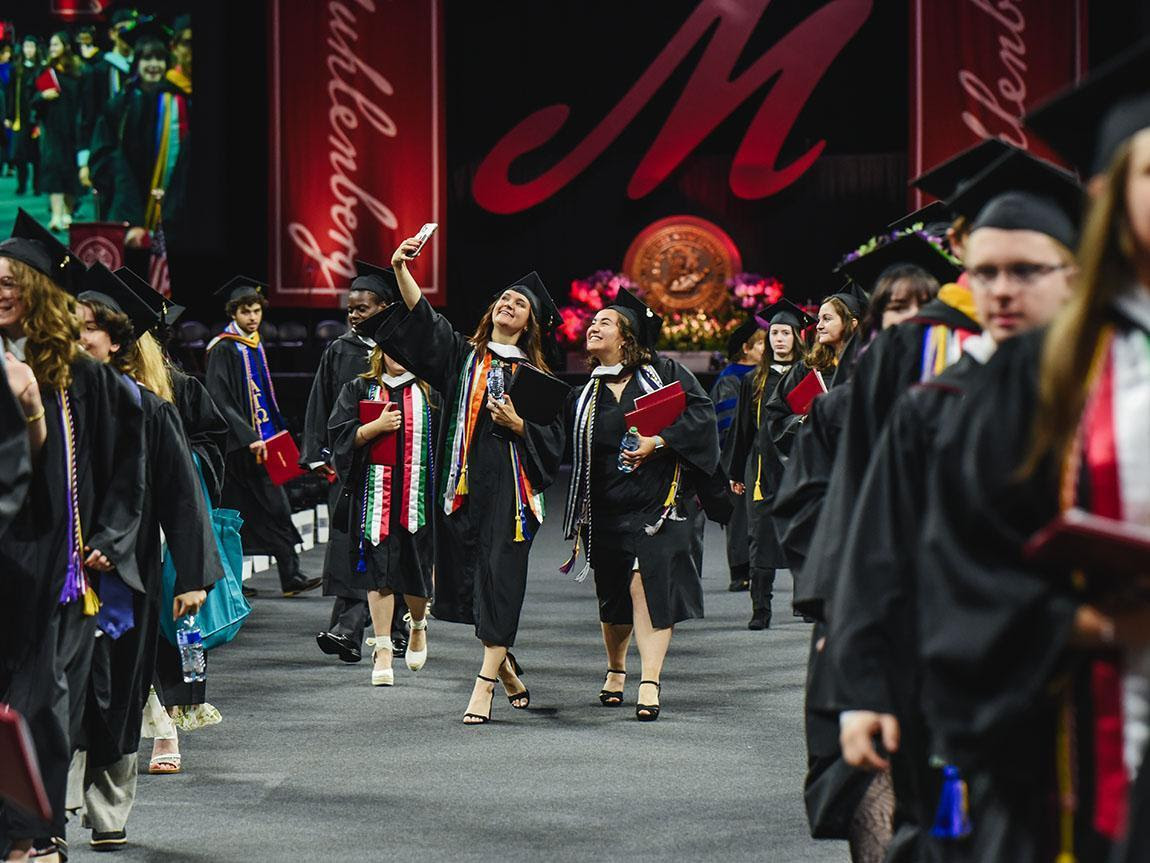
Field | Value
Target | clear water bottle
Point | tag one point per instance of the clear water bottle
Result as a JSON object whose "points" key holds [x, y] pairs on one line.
{"points": [[495, 381], [630, 441], [190, 641]]}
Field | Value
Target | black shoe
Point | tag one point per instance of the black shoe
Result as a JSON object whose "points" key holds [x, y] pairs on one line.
{"points": [[612, 697], [300, 584], [334, 644], [398, 644], [760, 620], [739, 585], [112, 840], [249, 592], [515, 698], [648, 712]]}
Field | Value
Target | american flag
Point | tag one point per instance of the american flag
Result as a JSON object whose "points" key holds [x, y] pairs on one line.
{"points": [[158, 267]]}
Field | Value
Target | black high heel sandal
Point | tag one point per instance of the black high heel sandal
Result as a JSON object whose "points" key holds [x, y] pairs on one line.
{"points": [[651, 710], [612, 697], [483, 720], [525, 695]]}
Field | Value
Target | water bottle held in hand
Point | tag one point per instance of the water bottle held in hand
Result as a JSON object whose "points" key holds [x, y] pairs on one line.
{"points": [[630, 442], [495, 381], [190, 641]]}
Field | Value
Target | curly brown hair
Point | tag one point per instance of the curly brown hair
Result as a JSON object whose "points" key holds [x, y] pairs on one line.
{"points": [[530, 340], [634, 354], [50, 325], [252, 299]]}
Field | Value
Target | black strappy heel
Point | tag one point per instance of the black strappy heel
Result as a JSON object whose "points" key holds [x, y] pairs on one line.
{"points": [[651, 710], [483, 720], [612, 697], [525, 695]]}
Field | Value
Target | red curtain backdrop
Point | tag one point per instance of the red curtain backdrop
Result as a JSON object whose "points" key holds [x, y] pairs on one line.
{"points": [[977, 66], [357, 142]]}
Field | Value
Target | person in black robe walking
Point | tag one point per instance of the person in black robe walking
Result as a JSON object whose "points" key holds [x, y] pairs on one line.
{"points": [[56, 109], [20, 115], [387, 510], [239, 382], [22, 434], [632, 512], [752, 457], [343, 361], [482, 547]]}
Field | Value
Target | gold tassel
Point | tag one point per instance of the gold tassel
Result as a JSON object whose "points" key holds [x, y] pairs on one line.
{"points": [[758, 478], [91, 603]]}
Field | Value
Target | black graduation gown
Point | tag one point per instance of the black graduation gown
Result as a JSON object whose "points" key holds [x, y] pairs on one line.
{"points": [[124, 148], [342, 361], [753, 457], [403, 562], [481, 571], [782, 422], [205, 428], [20, 111], [58, 144], [46, 648], [100, 81], [267, 527], [122, 670], [725, 397], [993, 629], [15, 457], [624, 504]]}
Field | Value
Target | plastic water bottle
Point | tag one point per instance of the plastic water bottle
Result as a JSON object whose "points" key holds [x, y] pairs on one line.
{"points": [[495, 381], [630, 441], [191, 643]]}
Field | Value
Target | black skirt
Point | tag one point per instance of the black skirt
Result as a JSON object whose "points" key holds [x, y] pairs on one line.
{"points": [[401, 563]]}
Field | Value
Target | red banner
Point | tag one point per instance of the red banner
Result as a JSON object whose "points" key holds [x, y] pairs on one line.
{"points": [[357, 142], [99, 241], [977, 67]]}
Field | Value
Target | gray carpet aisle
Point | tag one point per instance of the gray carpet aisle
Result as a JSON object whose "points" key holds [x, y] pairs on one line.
{"points": [[313, 763]]}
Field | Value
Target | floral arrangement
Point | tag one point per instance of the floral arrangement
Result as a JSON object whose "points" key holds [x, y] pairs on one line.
{"points": [[589, 296], [695, 331], [750, 290], [882, 239]]}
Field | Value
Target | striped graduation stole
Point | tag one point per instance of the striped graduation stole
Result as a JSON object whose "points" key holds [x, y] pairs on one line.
{"points": [[472, 397], [171, 123], [941, 348], [378, 493], [578, 514]]}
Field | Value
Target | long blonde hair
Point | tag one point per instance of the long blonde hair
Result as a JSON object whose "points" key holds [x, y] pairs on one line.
{"points": [[376, 370], [50, 324], [1105, 253], [823, 357], [144, 361]]}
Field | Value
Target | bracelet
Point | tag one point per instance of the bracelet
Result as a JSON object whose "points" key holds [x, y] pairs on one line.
{"points": [[36, 418]]}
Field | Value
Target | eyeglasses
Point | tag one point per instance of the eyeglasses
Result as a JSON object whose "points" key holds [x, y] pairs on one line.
{"points": [[1020, 274]]}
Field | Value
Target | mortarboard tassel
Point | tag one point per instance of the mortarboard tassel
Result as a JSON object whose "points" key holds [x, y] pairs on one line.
{"points": [[952, 820]]}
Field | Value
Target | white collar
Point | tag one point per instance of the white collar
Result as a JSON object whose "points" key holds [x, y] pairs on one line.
{"points": [[606, 371], [981, 347], [398, 380], [507, 352], [1135, 305], [119, 61], [16, 346], [369, 342]]}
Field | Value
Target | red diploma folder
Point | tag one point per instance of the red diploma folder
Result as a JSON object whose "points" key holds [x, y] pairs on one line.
{"points": [[800, 397], [20, 781], [655, 411], [283, 458], [1097, 545], [47, 80], [382, 449]]}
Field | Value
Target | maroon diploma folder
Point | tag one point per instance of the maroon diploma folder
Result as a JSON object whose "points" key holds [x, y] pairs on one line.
{"points": [[1080, 540], [382, 449], [20, 781], [800, 397], [655, 411], [283, 458]]}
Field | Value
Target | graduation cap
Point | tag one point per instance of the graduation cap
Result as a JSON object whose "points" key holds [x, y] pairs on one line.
{"points": [[376, 280], [935, 218], [146, 28], [241, 286], [943, 179], [644, 322], [853, 297], [1087, 123], [742, 334], [784, 312], [101, 285], [33, 244], [1020, 192], [905, 249], [124, 16], [167, 312], [546, 312]]}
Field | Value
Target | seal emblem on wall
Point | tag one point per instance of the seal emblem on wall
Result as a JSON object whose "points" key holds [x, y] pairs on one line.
{"points": [[96, 247], [683, 263]]}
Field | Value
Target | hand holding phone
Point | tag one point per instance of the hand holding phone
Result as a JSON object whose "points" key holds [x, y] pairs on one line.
{"points": [[422, 237]]}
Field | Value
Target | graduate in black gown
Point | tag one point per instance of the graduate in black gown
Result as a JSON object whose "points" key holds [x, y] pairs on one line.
{"points": [[872, 645], [56, 110], [20, 115], [1025, 665], [388, 511], [114, 329], [745, 349], [482, 548], [22, 434], [343, 360], [69, 553], [635, 527], [752, 459], [240, 384]]}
